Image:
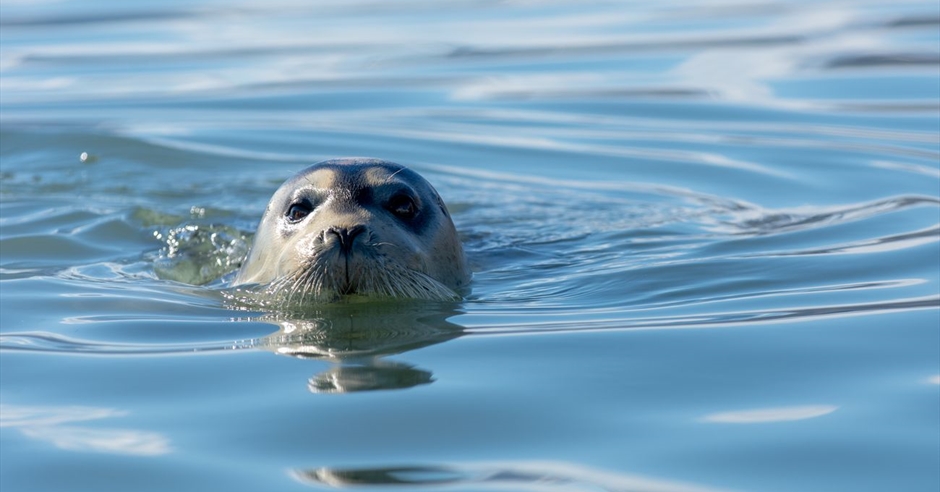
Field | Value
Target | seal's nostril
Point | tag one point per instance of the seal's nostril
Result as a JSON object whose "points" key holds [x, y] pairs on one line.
{"points": [[346, 235]]}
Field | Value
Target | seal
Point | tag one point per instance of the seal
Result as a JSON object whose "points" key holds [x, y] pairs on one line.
{"points": [[356, 226]]}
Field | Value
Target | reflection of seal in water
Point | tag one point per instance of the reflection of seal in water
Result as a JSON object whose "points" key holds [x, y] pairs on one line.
{"points": [[356, 226], [358, 340]]}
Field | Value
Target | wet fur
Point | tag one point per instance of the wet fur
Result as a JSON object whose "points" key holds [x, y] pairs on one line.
{"points": [[302, 264]]}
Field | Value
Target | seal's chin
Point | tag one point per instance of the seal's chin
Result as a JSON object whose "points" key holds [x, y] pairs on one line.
{"points": [[330, 275]]}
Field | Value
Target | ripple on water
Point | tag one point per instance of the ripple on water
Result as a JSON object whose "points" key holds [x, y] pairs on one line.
{"points": [[628, 182]]}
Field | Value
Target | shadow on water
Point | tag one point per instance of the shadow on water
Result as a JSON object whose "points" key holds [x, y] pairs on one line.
{"points": [[535, 476]]}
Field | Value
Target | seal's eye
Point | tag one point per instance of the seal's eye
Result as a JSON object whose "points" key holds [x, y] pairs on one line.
{"points": [[402, 206], [297, 211]]}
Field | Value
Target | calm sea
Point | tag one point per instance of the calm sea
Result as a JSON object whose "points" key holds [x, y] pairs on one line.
{"points": [[705, 238]]}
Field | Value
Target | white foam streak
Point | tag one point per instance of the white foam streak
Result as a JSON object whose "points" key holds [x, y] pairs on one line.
{"points": [[770, 415], [44, 423]]}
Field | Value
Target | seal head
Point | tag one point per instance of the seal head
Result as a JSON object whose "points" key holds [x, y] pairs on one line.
{"points": [[356, 226]]}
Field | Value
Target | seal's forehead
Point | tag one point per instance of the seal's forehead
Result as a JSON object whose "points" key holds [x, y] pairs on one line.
{"points": [[354, 173]]}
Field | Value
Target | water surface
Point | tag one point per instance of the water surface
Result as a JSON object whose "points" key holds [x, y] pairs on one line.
{"points": [[705, 239]]}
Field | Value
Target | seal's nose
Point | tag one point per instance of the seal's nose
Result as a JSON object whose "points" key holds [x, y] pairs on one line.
{"points": [[346, 235]]}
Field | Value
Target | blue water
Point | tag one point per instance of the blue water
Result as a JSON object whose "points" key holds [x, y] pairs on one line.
{"points": [[705, 239]]}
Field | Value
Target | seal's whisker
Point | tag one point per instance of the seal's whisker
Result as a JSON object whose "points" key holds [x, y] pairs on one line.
{"points": [[315, 284]]}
